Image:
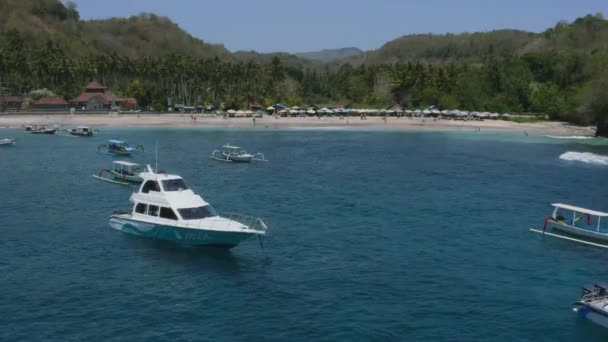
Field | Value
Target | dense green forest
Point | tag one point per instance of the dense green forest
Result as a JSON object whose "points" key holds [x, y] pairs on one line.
{"points": [[561, 72]]}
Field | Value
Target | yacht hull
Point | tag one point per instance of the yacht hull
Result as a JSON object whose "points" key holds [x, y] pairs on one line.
{"points": [[182, 236]]}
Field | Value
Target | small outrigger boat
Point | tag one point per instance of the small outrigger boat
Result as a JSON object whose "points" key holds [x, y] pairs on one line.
{"points": [[235, 154], [119, 147], [122, 172], [81, 131], [572, 223], [35, 129], [593, 304], [7, 142], [164, 208]]}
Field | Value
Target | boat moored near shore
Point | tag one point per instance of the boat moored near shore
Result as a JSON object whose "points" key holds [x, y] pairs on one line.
{"points": [[36, 129], [119, 147], [231, 153], [82, 131], [7, 142]]}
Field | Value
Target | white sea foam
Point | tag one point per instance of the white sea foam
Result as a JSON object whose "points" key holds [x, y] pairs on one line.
{"points": [[585, 157], [574, 137]]}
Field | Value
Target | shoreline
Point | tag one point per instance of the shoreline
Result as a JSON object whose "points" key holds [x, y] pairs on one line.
{"points": [[270, 122]]}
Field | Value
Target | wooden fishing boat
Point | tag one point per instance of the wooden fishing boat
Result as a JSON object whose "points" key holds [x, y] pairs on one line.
{"points": [[122, 172], [81, 131], [577, 224], [119, 147], [35, 129], [7, 142], [235, 154]]}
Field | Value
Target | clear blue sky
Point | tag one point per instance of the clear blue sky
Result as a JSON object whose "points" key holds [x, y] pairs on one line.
{"points": [[297, 26]]}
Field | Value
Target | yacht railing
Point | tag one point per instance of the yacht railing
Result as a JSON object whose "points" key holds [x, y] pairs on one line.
{"points": [[254, 223]]}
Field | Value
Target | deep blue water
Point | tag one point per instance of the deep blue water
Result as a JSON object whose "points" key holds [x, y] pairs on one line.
{"points": [[387, 236]]}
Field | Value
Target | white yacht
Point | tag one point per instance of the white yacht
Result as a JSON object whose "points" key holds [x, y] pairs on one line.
{"points": [[165, 208]]}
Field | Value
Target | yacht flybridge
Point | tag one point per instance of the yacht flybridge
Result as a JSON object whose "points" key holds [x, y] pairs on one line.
{"points": [[165, 208]]}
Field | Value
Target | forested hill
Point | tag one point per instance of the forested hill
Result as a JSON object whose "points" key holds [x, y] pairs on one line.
{"points": [[39, 21], [586, 34]]}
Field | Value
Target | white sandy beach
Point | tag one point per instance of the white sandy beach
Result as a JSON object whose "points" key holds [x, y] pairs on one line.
{"points": [[270, 122]]}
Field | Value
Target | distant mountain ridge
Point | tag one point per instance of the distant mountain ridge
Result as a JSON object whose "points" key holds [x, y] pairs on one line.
{"points": [[330, 55]]}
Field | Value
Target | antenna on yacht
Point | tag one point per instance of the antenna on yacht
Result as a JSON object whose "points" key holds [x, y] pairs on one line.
{"points": [[156, 159]]}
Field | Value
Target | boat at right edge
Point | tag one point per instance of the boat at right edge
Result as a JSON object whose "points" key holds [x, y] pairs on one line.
{"points": [[577, 224]]}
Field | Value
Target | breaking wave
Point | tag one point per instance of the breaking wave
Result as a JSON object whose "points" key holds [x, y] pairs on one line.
{"points": [[585, 157], [574, 137]]}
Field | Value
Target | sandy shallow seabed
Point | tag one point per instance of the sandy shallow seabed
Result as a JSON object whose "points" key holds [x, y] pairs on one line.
{"points": [[269, 122]]}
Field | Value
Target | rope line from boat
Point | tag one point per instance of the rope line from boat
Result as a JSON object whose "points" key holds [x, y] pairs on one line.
{"points": [[547, 220], [267, 259]]}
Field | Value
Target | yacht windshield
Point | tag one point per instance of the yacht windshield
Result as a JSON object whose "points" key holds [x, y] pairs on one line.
{"points": [[174, 185], [197, 213]]}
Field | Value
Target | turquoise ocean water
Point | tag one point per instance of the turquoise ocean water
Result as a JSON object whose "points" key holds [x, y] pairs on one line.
{"points": [[387, 236]]}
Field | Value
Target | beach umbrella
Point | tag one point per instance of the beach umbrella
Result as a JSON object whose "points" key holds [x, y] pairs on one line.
{"points": [[270, 108], [506, 115], [293, 111], [231, 111], [310, 111]]}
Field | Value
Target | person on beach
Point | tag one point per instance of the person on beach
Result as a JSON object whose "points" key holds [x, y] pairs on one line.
{"points": [[254, 122]]}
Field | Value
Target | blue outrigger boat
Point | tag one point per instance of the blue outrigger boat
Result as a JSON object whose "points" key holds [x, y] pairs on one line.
{"points": [[119, 147]]}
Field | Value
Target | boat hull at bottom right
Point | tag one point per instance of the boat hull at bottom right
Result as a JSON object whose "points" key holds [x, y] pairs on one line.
{"points": [[588, 312]]}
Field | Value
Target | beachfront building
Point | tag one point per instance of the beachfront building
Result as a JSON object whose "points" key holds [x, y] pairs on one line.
{"points": [[50, 104], [96, 97], [10, 103]]}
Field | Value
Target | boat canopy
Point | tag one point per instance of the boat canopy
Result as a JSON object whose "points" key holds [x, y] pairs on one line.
{"points": [[229, 147], [580, 210], [125, 163], [117, 142]]}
